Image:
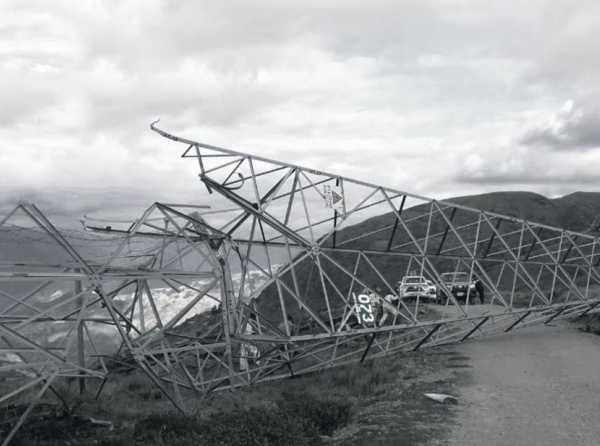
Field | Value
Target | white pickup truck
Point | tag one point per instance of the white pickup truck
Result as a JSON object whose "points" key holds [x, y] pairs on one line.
{"points": [[416, 286]]}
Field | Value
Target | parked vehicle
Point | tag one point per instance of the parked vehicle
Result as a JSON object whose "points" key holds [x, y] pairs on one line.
{"points": [[416, 286], [459, 285]]}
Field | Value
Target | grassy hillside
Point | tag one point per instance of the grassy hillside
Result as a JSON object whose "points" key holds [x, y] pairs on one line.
{"points": [[377, 402]]}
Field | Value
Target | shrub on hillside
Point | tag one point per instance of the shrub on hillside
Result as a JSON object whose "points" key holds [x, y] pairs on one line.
{"points": [[263, 426], [325, 415]]}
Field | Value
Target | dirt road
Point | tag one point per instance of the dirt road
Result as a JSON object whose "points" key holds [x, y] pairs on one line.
{"points": [[538, 386]]}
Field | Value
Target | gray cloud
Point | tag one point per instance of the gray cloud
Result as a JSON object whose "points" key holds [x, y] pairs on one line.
{"points": [[574, 127], [66, 205]]}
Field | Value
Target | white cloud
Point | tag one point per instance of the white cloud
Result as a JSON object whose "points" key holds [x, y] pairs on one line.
{"points": [[430, 97]]}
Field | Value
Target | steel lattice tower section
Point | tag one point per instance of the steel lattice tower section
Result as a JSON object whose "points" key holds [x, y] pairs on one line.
{"points": [[311, 238], [274, 283], [73, 307]]}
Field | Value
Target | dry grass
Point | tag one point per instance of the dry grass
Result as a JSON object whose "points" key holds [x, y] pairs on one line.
{"points": [[295, 412], [307, 410]]}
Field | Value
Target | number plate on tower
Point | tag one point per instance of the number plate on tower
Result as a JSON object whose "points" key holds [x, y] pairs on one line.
{"points": [[364, 309]]}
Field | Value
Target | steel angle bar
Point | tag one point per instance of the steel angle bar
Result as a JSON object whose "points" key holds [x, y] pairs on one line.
{"points": [[242, 179], [427, 336], [33, 402], [472, 253], [26, 297], [587, 260], [475, 328], [518, 321], [567, 285], [40, 219], [445, 233], [515, 259], [250, 209], [556, 260], [337, 227], [423, 254], [181, 231], [325, 293], [395, 226], [349, 180], [303, 305], [387, 284]]}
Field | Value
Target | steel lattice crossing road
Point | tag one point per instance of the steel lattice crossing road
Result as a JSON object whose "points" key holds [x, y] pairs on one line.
{"points": [[294, 271]]}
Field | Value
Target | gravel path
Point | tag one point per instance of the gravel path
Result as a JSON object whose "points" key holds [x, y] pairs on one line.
{"points": [[537, 386]]}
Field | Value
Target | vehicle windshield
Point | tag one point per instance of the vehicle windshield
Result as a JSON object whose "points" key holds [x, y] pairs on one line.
{"points": [[414, 279], [455, 277]]}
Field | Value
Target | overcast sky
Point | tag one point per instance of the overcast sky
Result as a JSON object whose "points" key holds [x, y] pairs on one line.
{"points": [[438, 98]]}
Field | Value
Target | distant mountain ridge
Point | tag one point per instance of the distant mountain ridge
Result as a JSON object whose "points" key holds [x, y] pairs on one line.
{"points": [[576, 211]]}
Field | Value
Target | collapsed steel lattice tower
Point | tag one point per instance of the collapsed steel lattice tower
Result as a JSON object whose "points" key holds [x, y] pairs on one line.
{"points": [[74, 306], [311, 237], [272, 284]]}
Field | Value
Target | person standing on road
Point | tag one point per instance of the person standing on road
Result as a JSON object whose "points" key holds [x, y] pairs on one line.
{"points": [[389, 309], [375, 299], [248, 352], [480, 290], [285, 353], [384, 306]]}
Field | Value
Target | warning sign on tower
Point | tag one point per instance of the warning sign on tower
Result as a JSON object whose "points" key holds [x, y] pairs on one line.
{"points": [[333, 197]]}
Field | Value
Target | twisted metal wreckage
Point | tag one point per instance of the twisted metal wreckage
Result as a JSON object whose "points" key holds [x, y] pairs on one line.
{"points": [[277, 283]]}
